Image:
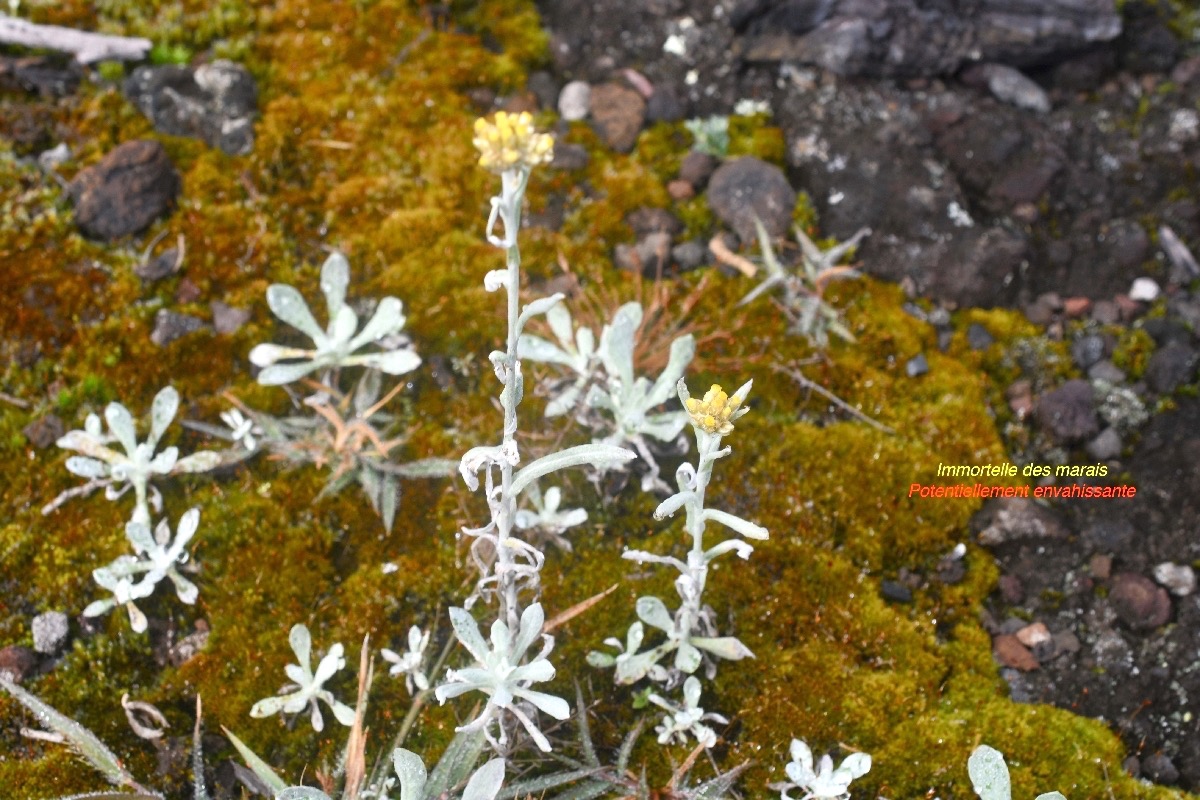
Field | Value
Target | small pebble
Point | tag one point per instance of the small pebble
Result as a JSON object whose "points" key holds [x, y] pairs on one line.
{"points": [[896, 592], [1033, 635], [574, 100], [1133, 766], [1011, 589], [1144, 290], [50, 630], [1065, 643], [1076, 307], [1106, 446], [1012, 653], [226, 318], [1106, 371], [978, 337], [1087, 350], [171, 325], [680, 190], [916, 366], [44, 431], [1100, 566], [1106, 312], [17, 663], [689, 255], [1178, 579]]}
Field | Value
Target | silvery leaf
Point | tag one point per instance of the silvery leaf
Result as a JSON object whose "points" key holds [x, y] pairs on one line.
{"points": [[138, 534], [200, 461], [726, 647], [539, 306], [564, 402], [664, 427], [427, 468], [672, 504], [585, 342], [683, 350], [742, 526], [989, 774], [301, 641], [687, 658], [559, 320], [87, 467], [535, 348], [495, 279], [162, 411], [393, 362], [617, 342], [597, 455], [288, 304], [411, 772], [264, 355], [387, 319], [121, 424], [653, 612], [301, 793], [279, 374], [343, 326], [335, 276], [466, 629], [634, 668], [486, 782]]}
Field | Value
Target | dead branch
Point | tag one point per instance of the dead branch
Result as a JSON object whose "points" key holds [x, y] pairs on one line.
{"points": [[85, 46]]}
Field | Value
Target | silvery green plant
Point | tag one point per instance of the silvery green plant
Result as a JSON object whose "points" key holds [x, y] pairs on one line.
{"points": [[710, 135], [504, 670], [619, 406], [687, 719], [690, 632], [411, 663], [115, 471], [307, 687], [989, 776], [803, 288], [157, 557], [344, 429], [337, 344], [821, 781], [544, 520]]}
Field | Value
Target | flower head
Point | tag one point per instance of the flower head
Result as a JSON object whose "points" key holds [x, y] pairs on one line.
{"points": [[687, 720], [717, 411], [511, 143], [305, 689], [117, 578]]}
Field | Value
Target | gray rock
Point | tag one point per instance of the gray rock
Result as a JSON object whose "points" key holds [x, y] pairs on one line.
{"points": [[978, 337], [1171, 366], [917, 366], [1105, 446], [228, 319], [1087, 350], [1011, 519], [697, 168], [171, 325], [910, 38], [214, 102], [50, 631], [1106, 371], [574, 100], [161, 266], [44, 431], [650, 256], [1178, 579], [690, 255], [664, 106], [125, 191], [895, 592], [1160, 769], [1068, 413], [647, 219], [569, 156], [1109, 533], [618, 113], [1010, 86], [747, 187], [544, 88]]}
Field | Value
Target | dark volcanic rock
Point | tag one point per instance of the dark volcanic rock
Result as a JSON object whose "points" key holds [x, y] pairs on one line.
{"points": [[910, 38], [1068, 412], [1010, 519], [44, 431], [747, 187], [214, 102], [17, 663], [125, 191], [1171, 366], [47, 76], [171, 325], [1139, 602]]}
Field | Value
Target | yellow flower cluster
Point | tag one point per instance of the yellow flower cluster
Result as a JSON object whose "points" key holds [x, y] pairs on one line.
{"points": [[714, 413], [511, 143]]}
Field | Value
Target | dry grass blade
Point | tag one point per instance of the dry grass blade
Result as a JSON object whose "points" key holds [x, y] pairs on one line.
{"points": [[356, 743], [564, 617], [729, 258]]}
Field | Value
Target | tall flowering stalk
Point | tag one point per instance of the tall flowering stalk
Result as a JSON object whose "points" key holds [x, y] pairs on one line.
{"points": [[691, 630], [504, 669]]}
